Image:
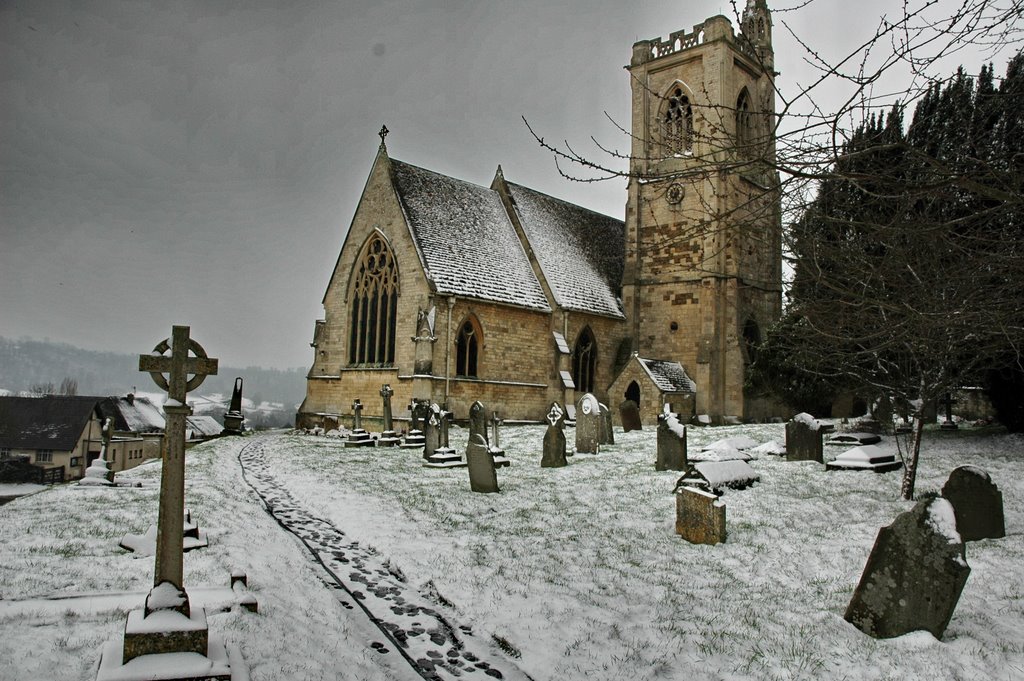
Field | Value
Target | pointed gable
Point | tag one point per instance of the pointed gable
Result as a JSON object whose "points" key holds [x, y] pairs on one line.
{"points": [[50, 422], [670, 377], [468, 244], [580, 252]]}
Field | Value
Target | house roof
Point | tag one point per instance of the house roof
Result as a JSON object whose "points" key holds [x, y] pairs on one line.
{"points": [[670, 377], [579, 251], [135, 415], [203, 426], [50, 422], [469, 245]]}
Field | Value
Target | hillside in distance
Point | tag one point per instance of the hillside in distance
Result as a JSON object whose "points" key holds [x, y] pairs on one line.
{"points": [[25, 363]]}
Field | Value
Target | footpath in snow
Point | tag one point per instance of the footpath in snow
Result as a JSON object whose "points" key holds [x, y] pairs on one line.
{"points": [[411, 622]]}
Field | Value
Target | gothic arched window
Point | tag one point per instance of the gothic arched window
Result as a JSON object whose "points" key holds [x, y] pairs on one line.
{"points": [[677, 123], [584, 360], [467, 349], [744, 124], [374, 305]]}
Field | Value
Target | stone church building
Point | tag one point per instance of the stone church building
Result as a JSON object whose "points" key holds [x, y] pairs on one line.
{"points": [[456, 292]]}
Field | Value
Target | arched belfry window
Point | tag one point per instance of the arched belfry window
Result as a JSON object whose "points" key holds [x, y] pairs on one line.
{"points": [[467, 348], [745, 133], [677, 123], [584, 360], [374, 305]]}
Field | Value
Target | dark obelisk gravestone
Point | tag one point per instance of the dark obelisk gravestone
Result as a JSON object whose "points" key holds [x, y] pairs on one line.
{"points": [[554, 439], [629, 414], [977, 503], [233, 418], [482, 475], [175, 628], [914, 575], [588, 425]]}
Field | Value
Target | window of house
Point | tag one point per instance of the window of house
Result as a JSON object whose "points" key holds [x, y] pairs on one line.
{"points": [[677, 123], [44, 456], [75, 461], [374, 300], [584, 361], [467, 349]]}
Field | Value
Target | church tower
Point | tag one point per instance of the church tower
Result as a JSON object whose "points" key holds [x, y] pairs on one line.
{"points": [[703, 255]]}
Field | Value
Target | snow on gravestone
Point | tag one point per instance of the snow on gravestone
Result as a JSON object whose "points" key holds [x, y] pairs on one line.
{"points": [[977, 503], [671, 443], [914, 575], [803, 438], [700, 516], [588, 425]]}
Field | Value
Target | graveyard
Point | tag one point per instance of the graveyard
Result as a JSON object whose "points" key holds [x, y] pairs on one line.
{"points": [[566, 572]]}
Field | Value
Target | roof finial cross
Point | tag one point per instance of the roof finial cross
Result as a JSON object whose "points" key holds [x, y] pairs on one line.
{"points": [[383, 133]]}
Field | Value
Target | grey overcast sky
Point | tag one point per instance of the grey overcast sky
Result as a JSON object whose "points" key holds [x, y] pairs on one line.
{"points": [[199, 162]]}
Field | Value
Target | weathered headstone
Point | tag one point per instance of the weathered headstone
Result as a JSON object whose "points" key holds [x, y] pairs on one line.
{"points": [[234, 418], [914, 575], [500, 460], [977, 504], [588, 425], [167, 624], [700, 516], [629, 414], [415, 438], [482, 475], [388, 436], [554, 439], [804, 438], [607, 434], [358, 437], [478, 421], [671, 443], [431, 431]]}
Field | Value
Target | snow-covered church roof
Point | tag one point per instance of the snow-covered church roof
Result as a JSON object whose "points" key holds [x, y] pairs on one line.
{"points": [[469, 246], [670, 377], [579, 251]]}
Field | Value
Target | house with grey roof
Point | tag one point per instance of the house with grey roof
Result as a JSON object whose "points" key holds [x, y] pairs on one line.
{"points": [[51, 432]]}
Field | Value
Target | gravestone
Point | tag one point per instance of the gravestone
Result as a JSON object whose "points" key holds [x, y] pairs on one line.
{"points": [[948, 423], [478, 421], [500, 460], [977, 504], [671, 443], [233, 419], [431, 431], [442, 455], [629, 414], [98, 474], [588, 425], [865, 458], [554, 439], [358, 437], [804, 438], [388, 437], [168, 624], [607, 434], [482, 475], [415, 438], [700, 516], [914, 575]]}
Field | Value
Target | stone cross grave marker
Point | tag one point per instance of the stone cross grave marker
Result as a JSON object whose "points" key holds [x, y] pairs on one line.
{"points": [[500, 460], [388, 438], [671, 443], [588, 425], [185, 373], [947, 401]]}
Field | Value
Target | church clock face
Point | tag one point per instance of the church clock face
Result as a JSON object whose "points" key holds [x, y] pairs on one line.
{"points": [[675, 193]]}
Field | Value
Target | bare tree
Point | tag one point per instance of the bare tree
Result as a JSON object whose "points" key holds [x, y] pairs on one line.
{"points": [[69, 386]]}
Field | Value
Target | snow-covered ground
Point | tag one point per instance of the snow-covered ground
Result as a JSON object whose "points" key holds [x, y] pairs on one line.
{"points": [[577, 569]]}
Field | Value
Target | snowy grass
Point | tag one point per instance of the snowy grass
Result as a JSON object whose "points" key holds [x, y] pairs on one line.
{"points": [[574, 572]]}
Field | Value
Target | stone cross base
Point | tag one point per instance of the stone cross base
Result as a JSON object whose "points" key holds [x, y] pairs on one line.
{"points": [[213, 664], [414, 439], [360, 438], [165, 631], [389, 438], [444, 457]]}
